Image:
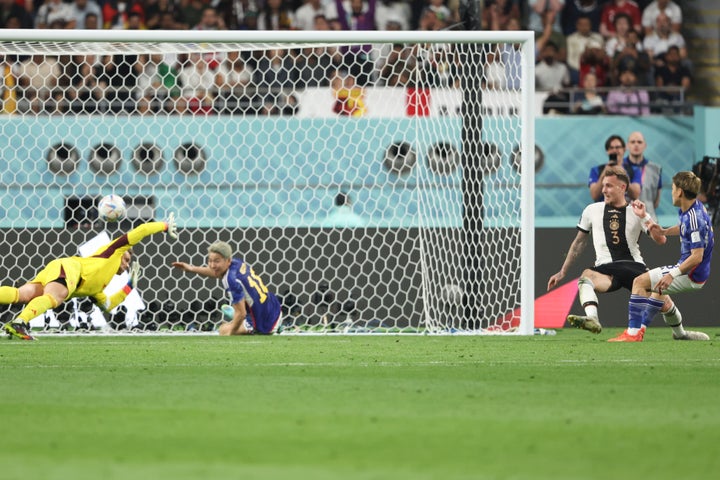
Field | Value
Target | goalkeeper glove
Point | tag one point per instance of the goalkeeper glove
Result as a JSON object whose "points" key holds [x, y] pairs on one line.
{"points": [[171, 226], [134, 275]]}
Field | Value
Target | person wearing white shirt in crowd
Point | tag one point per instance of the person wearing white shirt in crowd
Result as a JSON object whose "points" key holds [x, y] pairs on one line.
{"points": [[550, 73], [577, 43], [657, 43], [53, 11], [80, 9], [669, 8], [391, 11], [305, 15]]}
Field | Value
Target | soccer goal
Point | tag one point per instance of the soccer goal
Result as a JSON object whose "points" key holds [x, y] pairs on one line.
{"points": [[378, 181]]}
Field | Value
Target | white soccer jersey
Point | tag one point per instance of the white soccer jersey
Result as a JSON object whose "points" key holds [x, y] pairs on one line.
{"points": [[615, 232]]}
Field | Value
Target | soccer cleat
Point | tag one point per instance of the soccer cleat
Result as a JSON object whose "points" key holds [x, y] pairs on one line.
{"points": [[586, 323], [18, 330], [626, 337], [690, 335]]}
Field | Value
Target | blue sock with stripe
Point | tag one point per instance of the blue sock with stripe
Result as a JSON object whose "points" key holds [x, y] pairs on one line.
{"points": [[654, 306]]}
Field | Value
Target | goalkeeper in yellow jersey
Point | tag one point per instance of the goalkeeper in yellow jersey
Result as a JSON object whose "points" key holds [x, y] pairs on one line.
{"points": [[71, 277]]}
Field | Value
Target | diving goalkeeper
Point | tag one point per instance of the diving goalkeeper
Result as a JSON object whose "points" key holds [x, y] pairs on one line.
{"points": [[72, 277]]}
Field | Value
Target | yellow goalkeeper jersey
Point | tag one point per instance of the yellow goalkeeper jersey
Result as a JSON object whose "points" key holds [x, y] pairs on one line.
{"points": [[88, 276]]}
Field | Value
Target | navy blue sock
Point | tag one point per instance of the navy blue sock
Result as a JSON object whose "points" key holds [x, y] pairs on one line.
{"points": [[654, 306], [636, 310]]}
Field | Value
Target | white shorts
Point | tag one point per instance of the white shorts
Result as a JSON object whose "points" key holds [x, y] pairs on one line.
{"points": [[680, 284]]}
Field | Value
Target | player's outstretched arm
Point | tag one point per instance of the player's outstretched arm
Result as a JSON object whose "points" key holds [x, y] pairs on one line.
{"points": [[186, 267]]}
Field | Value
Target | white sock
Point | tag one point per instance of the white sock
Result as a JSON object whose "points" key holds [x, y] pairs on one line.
{"points": [[673, 319], [588, 297]]}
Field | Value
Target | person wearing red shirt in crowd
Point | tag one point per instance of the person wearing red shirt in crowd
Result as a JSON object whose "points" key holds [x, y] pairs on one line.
{"points": [[630, 8]]}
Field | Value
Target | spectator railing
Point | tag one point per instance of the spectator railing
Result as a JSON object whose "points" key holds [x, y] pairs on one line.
{"points": [[663, 100]]}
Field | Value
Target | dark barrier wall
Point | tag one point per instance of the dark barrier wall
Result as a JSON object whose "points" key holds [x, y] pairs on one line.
{"points": [[377, 268]]}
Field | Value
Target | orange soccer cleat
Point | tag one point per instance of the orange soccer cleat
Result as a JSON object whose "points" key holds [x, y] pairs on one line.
{"points": [[626, 337]]}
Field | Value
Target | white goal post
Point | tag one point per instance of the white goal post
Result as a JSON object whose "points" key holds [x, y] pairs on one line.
{"points": [[379, 182]]}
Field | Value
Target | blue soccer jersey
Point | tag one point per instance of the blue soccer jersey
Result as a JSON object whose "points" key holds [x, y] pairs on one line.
{"points": [[244, 284], [696, 232]]}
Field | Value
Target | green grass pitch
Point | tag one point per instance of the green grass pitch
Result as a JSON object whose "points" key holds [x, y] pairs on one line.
{"points": [[569, 407]]}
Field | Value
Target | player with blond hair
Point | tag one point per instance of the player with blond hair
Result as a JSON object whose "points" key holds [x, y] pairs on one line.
{"points": [[615, 232], [255, 309]]}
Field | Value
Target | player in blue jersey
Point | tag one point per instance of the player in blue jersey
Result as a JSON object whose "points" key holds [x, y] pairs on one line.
{"points": [[650, 290], [255, 308]]}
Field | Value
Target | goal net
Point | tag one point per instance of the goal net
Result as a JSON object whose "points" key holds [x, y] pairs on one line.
{"points": [[376, 181]]}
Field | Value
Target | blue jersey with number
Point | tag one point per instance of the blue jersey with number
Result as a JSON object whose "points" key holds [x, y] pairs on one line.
{"points": [[244, 284], [696, 232]]}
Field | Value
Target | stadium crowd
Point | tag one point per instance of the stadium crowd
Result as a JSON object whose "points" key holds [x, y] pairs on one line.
{"points": [[593, 56]]}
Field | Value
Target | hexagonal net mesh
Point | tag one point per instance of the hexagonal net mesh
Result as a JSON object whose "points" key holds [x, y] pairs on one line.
{"points": [[374, 187]]}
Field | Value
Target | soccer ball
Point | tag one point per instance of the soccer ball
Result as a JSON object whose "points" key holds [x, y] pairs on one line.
{"points": [[111, 208]]}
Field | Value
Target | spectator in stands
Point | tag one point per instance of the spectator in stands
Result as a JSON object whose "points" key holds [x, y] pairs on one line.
{"points": [[163, 15], [53, 11], [497, 13], [628, 99], [658, 42], [550, 73], [672, 74], [237, 14], [361, 16], [37, 76], [619, 38], [191, 11], [276, 15], [13, 15], [357, 60], [595, 61], [575, 9], [118, 80], [305, 15], [157, 86], [387, 10], [632, 57], [398, 66], [210, 20], [198, 82], [315, 64], [115, 12], [92, 22], [576, 45], [440, 10], [655, 8], [232, 80], [616, 7], [540, 10], [590, 102], [84, 94], [80, 8]]}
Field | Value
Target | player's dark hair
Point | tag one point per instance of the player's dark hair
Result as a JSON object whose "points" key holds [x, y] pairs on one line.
{"points": [[688, 182], [611, 139]]}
